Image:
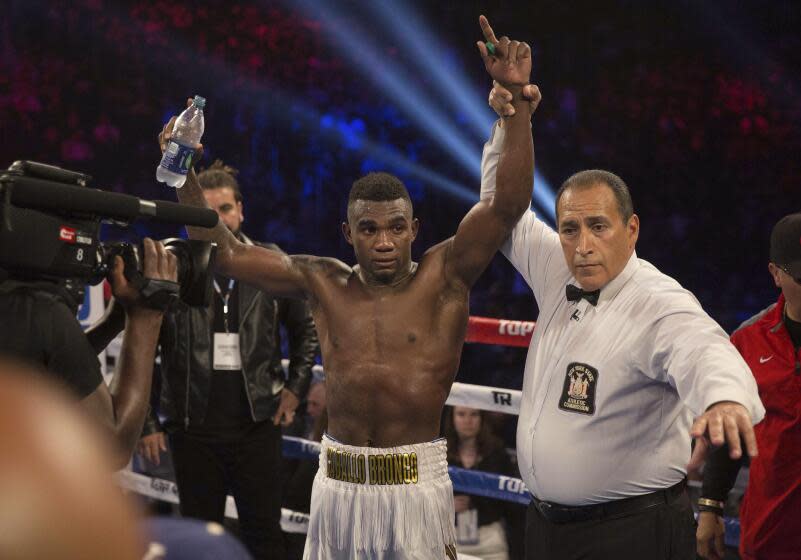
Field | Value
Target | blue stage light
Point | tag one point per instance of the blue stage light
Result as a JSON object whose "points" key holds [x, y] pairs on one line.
{"points": [[396, 84], [428, 51], [403, 90]]}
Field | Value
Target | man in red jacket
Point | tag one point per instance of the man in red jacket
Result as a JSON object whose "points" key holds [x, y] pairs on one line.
{"points": [[769, 342]]}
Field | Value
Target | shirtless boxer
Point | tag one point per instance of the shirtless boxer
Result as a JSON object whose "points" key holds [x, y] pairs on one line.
{"points": [[391, 333]]}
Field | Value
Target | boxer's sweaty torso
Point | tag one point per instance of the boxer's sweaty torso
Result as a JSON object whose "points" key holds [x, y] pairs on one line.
{"points": [[390, 352]]}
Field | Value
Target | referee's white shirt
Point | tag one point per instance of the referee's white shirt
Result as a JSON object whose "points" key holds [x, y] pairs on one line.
{"points": [[644, 362]]}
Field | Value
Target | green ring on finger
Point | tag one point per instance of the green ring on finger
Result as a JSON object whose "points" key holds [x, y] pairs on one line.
{"points": [[490, 48]]}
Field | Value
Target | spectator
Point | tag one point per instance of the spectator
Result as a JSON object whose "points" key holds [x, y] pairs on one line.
{"points": [[224, 392], [770, 343], [315, 406], [473, 445]]}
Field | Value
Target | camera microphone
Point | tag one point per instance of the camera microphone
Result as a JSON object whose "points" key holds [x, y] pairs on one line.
{"points": [[29, 192], [50, 229], [175, 213]]}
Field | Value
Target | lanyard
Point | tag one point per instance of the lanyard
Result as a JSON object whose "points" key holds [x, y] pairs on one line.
{"points": [[224, 299]]}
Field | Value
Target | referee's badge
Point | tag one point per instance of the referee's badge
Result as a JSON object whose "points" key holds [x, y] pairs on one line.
{"points": [[578, 394]]}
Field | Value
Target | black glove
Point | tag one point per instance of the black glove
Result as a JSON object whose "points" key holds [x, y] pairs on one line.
{"points": [[163, 295]]}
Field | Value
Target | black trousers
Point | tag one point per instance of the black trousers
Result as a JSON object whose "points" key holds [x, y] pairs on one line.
{"points": [[663, 532], [248, 466]]}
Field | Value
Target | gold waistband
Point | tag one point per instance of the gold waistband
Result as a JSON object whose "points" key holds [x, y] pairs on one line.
{"points": [[379, 469]]}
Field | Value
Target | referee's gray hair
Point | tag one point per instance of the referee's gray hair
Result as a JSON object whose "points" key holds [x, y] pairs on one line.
{"points": [[592, 177]]}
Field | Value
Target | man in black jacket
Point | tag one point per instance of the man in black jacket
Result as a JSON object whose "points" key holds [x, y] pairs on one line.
{"points": [[224, 392]]}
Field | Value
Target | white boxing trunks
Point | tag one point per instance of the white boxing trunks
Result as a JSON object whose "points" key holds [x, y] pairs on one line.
{"points": [[371, 503]]}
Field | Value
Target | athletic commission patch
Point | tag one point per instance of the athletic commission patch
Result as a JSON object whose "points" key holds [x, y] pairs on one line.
{"points": [[578, 394]]}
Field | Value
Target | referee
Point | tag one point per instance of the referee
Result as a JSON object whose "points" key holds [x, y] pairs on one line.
{"points": [[621, 361]]}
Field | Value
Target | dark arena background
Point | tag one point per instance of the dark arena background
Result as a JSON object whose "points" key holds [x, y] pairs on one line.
{"points": [[695, 104]]}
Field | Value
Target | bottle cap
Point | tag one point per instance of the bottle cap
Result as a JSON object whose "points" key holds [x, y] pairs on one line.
{"points": [[199, 102]]}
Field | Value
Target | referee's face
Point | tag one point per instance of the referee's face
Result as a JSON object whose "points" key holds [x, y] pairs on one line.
{"points": [[596, 241]]}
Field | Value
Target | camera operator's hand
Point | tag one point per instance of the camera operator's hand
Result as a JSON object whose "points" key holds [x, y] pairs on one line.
{"points": [[166, 134], [159, 264], [123, 403]]}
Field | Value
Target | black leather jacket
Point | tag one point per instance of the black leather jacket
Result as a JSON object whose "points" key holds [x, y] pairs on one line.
{"points": [[186, 354]]}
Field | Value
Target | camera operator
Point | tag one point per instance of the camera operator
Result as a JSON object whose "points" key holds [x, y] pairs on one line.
{"points": [[39, 326]]}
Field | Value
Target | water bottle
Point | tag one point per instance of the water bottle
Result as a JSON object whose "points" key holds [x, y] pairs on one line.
{"points": [[186, 134]]}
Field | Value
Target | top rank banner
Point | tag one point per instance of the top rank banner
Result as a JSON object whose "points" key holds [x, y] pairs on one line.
{"points": [[503, 332]]}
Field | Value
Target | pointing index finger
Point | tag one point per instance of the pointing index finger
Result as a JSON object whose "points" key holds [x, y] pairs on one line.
{"points": [[489, 34]]}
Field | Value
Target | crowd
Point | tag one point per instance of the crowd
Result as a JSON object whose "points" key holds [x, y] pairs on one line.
{"points": [[293, 120]]}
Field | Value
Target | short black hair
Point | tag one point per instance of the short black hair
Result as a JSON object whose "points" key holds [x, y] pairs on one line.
{"points": [[378, 187], [218, 176], [592, 177]]}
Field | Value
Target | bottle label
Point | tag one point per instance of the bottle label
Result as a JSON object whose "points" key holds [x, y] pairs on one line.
{"points": [[177, 158]]}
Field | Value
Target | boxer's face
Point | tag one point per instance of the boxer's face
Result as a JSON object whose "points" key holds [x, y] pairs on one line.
{"points": [[597, 243], [223, 201], [381, 234], [466, 421]]}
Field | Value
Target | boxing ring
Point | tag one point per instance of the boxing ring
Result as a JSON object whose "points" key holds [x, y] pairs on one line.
{"points": [[480, 330]]}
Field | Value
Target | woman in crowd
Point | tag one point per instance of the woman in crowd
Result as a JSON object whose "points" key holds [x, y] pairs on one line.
{"points": [[472, 445]]}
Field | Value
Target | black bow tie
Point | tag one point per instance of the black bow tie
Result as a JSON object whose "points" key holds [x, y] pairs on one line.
{"points": [[574, 293]]}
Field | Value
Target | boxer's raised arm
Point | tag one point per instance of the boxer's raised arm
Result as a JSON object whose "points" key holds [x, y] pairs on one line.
{"points": [[490, 222]]}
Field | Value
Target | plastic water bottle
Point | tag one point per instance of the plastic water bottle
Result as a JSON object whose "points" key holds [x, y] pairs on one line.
{"points": [[186, 134]]}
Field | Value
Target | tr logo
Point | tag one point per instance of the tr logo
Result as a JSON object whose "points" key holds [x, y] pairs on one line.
{"points": [[502, 397]]}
